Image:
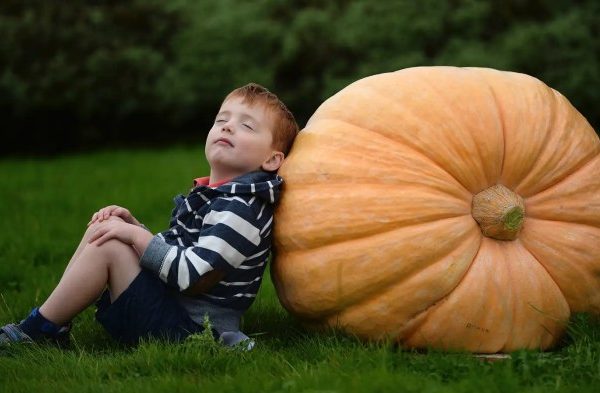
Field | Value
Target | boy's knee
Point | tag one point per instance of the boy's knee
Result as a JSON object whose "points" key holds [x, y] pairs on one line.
{"points": [[110, 252], [112, 248]]}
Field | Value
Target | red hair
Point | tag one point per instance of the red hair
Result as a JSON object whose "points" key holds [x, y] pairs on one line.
{"points": [[285, 126]]}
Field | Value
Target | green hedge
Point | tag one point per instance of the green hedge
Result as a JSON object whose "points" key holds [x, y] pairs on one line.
{"points": [[107, 73]]}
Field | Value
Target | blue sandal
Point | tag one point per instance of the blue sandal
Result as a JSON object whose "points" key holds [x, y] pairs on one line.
{"points": [[12, 334]]}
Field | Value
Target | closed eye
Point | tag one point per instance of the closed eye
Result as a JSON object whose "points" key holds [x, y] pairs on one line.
{"points": [[248, 126]]}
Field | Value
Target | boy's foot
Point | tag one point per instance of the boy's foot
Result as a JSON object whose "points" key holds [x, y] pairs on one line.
{"points": [[62, 338], [238, 340], [12, 333], [35, 328]]}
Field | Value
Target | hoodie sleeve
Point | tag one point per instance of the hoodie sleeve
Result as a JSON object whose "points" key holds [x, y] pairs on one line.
{"points": [[229, 234]]}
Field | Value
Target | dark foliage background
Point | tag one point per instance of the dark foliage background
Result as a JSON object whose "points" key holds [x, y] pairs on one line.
{"points": [[94, 74]]}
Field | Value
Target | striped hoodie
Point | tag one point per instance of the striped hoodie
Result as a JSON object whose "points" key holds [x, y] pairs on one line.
{"points": [[228, 228]]}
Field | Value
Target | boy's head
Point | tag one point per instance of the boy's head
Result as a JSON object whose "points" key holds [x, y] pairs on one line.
{"points": [[284, 125], [252, 131]]}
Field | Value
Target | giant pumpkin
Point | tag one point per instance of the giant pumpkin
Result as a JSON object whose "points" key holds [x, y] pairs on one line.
{"points": [[452, 208]]}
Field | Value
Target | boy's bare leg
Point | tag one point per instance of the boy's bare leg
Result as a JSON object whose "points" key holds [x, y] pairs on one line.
{"points": [[114, 263]]}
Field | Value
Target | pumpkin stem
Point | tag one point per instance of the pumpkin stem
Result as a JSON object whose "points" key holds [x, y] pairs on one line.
{"points": [[499, 212]]}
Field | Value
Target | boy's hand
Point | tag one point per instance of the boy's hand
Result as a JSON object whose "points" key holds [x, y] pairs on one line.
{"points": [[113, 210], [130, 234]]}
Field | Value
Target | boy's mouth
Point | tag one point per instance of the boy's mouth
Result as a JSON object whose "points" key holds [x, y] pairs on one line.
{"points": [[225, 141]]}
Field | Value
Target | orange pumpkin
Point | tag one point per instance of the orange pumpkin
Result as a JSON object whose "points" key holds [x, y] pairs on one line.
{"points": [[453, 208]]}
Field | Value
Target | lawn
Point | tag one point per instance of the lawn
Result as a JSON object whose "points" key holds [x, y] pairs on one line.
{"points": [[44, 206]]}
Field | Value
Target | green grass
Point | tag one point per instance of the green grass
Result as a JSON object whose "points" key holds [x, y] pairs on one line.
{"points": [[44, 206]]}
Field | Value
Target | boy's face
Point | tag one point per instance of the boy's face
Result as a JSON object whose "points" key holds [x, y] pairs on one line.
{"points": [[240, 140]]}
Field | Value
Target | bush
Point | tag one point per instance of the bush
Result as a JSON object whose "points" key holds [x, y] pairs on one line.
{"points": [[106, 73]]}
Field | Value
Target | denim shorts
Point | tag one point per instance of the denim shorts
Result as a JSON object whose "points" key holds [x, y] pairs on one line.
{"points": [[146, 309]]}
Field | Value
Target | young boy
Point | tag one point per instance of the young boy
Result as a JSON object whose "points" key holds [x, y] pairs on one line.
{"points": [[209, 262]]}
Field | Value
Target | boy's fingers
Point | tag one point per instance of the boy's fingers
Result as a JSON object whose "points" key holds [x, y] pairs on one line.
{"points": [[102, 239], [105, 213], [106, 235], [100, 231], [123, 213], [92, 219], [93, 237]]}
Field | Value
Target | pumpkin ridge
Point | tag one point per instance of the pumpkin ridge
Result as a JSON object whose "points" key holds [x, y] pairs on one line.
{"points": [[572, 136], [550, 279], [349, 239], [469, 232], [575, 200], [403, 153], [500, 110], [538, 259], [381, 291], [331, 164], [425, 313], [440, 93], [438, 304], [520, 324], [319, 185], [485, 74], [425, 189], [413, 148], [583, 224], [391, 283], [417, 327], [422, 152], [513, 308], [550, 124], [368, 181], [565, 178], [579, 266]]}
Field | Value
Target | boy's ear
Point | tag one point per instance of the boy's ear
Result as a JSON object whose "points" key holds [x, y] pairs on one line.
{"points": [[273, 162]]}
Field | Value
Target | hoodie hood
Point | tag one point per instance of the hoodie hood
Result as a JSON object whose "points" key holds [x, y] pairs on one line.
{"points": [[263, 185]]}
